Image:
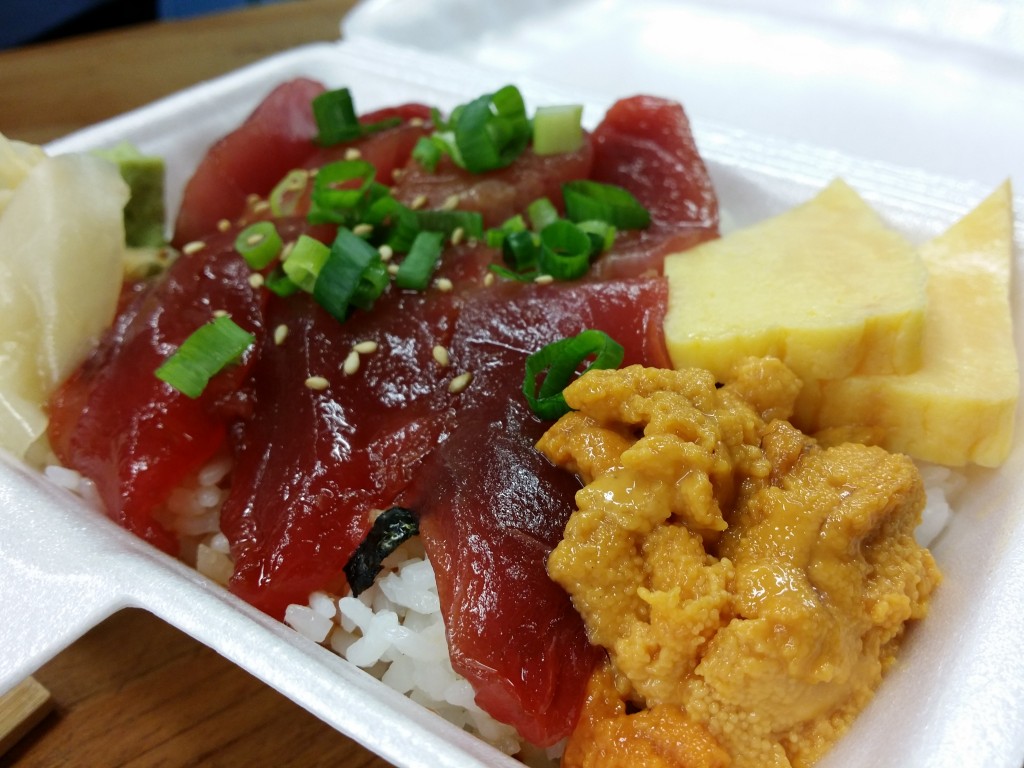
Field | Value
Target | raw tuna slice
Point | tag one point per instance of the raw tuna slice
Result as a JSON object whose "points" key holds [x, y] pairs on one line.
{"points": [[275, 138], [492, 507], [132, 434], [645, 144], [312, 464], [497, 195]]}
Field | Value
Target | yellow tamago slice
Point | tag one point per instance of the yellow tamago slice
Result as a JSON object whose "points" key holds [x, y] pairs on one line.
{"points": [[827, 287], [959, 408]]}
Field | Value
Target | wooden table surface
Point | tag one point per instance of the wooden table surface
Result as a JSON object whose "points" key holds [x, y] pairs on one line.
{"points": [[135, 691]]}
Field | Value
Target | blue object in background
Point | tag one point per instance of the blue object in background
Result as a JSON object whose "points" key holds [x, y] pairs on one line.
{"points": [[177, 9], [27, 21]]}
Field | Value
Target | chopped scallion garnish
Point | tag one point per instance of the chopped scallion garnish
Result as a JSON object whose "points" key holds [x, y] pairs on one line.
{"points": [[305, 261], [284, 197], [557, 130], [279, 283], [591, 200], [206, 352], [341, 187], [520, 250], [415, 271], [335, 116], [559, 362], [541, 212], [564, 251], [352, 275], [470, 222], [492, 130], [259, 244], [427, 153]]}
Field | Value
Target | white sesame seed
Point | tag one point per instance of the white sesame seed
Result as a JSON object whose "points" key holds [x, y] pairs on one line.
{"points": [[417, 122], [351, 364], [443, 284], [441, 356], [543, 279], [489, 278], [392, 269], [386, 252], [397, 173], [450, 203], [457, 235], [194, 247], [288, 248], [252, 198], [223, 225], [318, 383], [460, 382], [418, 202], [280, 334], [256, 280], [353, 153], [367, 347], [362, 229], [260, 206], [220, 313]]}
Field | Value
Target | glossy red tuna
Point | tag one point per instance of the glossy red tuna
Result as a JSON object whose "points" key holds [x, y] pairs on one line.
{"points": [[275, 139], [132, 434], [313, 460], [645, 144], [492, 507]]}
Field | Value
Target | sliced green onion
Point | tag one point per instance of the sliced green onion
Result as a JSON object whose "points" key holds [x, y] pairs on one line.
{"points": [[495, 236], [204, 354], [350, 276], [305, 261], [279, 283], [343, 185], [586, 199], [601, 234], [259, 244], [492, 130], [508, 274], [397, 222], [541, 212], [520, 250], [427, 153], [446, 222], [564, 250], [372, 283], [335, 116], [557, 130], [284, 197], [415, 271], [559, 362]]}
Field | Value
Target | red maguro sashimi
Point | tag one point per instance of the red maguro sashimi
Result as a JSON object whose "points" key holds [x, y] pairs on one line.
{"points": [[313, 462], [645, 145], [132, 434], [501, 194], [275, 139], [492, 508]]}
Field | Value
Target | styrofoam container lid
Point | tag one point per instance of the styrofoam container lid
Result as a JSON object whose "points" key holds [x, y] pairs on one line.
{"points": [[954, 698]]}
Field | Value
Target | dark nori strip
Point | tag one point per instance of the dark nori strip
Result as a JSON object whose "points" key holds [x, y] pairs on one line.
{"points": [[391, 528]]}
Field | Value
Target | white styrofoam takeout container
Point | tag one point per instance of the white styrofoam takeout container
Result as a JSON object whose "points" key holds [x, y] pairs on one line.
{"points": [[955, 698]]}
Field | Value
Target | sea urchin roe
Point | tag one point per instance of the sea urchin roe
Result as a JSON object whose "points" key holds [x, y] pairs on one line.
{"points": [[607, 736], [731, 566]]}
